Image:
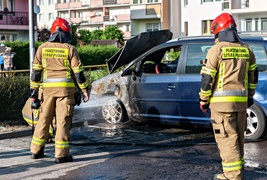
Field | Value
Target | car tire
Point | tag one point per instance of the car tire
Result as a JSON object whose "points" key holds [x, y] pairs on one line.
{"points": [[256, 121], [114, 112]]}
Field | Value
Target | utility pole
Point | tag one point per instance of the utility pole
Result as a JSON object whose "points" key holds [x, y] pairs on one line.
{"points": [[31, 33]]}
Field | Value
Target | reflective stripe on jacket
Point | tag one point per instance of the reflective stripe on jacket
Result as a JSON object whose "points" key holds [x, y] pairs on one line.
{"points": [[229, 76], [56, 65]]}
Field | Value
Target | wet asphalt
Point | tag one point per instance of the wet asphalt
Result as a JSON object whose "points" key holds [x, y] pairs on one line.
{"points": [[132, 151]]}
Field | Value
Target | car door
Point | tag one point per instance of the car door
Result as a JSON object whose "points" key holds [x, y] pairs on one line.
{"points": [[190, 79], [154, 96]]}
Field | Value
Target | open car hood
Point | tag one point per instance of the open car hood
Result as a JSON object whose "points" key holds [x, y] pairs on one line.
{"points": [[136, 46]]}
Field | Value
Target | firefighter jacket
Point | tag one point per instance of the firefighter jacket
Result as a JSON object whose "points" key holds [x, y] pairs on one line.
{"points": [[229, 77], [57, 66]]}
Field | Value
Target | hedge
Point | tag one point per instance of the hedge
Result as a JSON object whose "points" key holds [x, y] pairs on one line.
{"points": [[90, 55]]}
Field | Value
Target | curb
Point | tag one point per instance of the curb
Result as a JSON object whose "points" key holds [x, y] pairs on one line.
{"points": [[28, 132]]}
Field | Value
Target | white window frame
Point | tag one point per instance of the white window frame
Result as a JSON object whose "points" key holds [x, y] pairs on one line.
{"points": [[51, 16], [41, 17], [50, 2], [41, 2], [154, 26]]}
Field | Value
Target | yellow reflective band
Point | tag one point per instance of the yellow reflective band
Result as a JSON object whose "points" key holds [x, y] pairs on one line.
{"points": [[38, 141], [29, 121], [235, 52], [252, 86], [221, 76], [58, 84], [62, 144], [34, 84], [58, 53], [233, 166], [252, 67], [84, 85], [208, 71], [205, 93], [246, 76], [229, 99], [51, 130], [68, 71], [37, 67], [44, 70], [242, 160]]}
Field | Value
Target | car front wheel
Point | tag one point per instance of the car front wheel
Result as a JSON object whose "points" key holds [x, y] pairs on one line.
{"points": [[113, 112], [255, 123]]}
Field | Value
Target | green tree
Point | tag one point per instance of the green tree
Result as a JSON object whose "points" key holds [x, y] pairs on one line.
{"points": [[84, 36], [97, 34], [113, 32], [74, 35]]}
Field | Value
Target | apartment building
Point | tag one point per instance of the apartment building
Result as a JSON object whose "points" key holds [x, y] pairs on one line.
{"points": [[90, 14], [197, 15], [182, 17], [131, 16], [14, 20], [47, 13]]}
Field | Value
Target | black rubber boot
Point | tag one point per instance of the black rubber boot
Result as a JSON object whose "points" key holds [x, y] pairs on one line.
{"points": [[68, 158], [39, 155]]}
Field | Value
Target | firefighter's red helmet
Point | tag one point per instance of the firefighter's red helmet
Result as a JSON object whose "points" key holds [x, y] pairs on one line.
{"points": [[62, 23], [222, 22]]}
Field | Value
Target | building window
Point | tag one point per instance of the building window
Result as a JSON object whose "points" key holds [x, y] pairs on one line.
{"points": [[138, 1], [51, 16], [256, 24], [206, 24], [248, 24], [205, 1], [152, 1], [127, 27], [264, 24], [51, 2], [1, 5], [41, 2], [64, 14], [152, 27], [41, 17], [11, 5]]}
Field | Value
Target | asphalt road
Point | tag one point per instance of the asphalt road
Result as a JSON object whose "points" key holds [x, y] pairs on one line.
{"points": [[131, 152]]}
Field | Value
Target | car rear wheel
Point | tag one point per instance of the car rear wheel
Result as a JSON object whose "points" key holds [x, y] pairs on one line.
{"points": [[255, 123], [114, 112]]}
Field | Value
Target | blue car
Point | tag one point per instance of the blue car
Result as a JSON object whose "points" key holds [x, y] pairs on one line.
{"points": [[156, 79]]}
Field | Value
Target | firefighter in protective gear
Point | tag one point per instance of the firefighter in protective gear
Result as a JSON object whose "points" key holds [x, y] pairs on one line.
{"points": [[56, 66], [229, 78]]}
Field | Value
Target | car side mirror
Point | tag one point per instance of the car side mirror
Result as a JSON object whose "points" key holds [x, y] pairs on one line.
{"points": [[134, 77]]}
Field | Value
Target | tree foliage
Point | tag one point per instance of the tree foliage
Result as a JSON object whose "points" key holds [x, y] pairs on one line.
{"points": [[84, 36], [112, 32]]}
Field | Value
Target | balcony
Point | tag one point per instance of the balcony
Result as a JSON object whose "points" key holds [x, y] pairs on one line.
{"points": [[14, 18]]}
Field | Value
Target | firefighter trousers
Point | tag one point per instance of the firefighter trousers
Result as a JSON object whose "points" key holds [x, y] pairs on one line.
{"points": [[229, 129], [62, 108]]}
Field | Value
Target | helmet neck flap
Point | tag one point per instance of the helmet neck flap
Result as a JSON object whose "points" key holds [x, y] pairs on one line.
{"points": [[60, 36], [228, 35]]}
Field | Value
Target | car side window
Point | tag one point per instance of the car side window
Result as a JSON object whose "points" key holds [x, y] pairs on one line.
{"points": [[195, 54], [260, 55]]}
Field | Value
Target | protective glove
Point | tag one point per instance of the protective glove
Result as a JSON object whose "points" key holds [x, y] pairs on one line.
{"points": [[250, 102], [33, 93], [204, 108]]}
